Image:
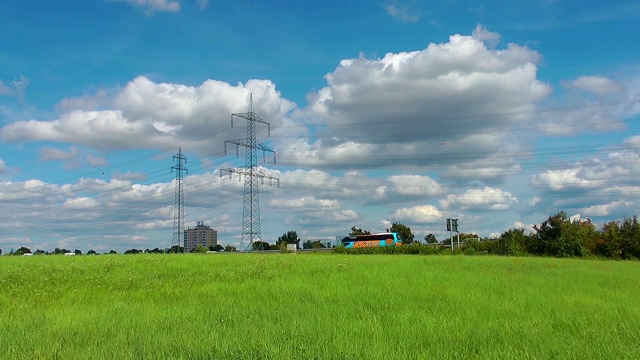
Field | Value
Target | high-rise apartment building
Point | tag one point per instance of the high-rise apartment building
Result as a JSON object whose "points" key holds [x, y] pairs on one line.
{"points": [[200, 235]]}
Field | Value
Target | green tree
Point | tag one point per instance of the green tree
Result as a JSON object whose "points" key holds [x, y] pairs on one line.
{"points": [[557, 236], [629, 247], [315, 244], [404, 231], [216, 247], [92, 252], [200, 249], [578, 238], [260, 245], [609, 243], [290, 237], [463, 238], [512, 242], [39, 252], [318, 245], [357, 231], [59, 251], [430, 239], [230, 248], [113, 252], [23, 250], [548, 235]]}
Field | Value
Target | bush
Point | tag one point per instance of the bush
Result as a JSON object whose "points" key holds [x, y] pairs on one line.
{"points": [[513, 242], [411, 249], [200, 249]]}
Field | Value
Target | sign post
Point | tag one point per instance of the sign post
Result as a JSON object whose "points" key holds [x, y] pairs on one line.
{"points": [[449, 229], [454, 227]]}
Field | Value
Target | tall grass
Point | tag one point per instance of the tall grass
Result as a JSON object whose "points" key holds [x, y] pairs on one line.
{"points": [[324, 306]]}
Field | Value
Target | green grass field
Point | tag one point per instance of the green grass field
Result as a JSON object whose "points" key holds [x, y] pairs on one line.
{"points": [[322, 306]]}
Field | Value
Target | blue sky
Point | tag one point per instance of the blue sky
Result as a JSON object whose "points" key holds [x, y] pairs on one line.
{"points": [[387, 111]]}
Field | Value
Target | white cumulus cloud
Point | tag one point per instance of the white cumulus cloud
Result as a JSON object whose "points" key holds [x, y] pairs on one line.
{"points": [[420, 214], [597, 85], [430, 107], [80, 203], [415, 185], [561, 179], [154, 115], [487, 198], [51, 154], [491, 38]]}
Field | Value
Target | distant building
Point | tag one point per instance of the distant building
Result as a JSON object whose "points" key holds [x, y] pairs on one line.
{"points": [[577, 219], [200, 235]]}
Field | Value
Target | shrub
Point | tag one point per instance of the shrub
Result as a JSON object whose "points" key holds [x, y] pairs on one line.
{"points": [[411, 249], [513, 242], [469, 250]]}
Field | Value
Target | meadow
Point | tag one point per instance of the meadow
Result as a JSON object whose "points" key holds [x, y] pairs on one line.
{"points": [[317, 306]]}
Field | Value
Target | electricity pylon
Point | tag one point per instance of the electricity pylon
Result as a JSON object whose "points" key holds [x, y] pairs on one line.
{"points": [[178, 203], [251, 172]]}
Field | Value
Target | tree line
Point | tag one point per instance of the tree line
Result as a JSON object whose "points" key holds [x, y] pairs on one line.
{"points": [[174, 249], [556, 236], [559, 237]]}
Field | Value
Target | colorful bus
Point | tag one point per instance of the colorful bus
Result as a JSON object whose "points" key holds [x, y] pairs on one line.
{"points": [[373, 240]]}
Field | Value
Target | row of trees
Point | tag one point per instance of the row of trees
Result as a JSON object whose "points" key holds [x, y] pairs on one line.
{"points": [[175, 249], [25, 250], [558, 236], [290, 237], [407, 236], [179, 249]]}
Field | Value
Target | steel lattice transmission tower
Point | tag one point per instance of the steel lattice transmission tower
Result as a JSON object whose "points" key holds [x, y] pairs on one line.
{"points": [[251, 172], [178, 203]]}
